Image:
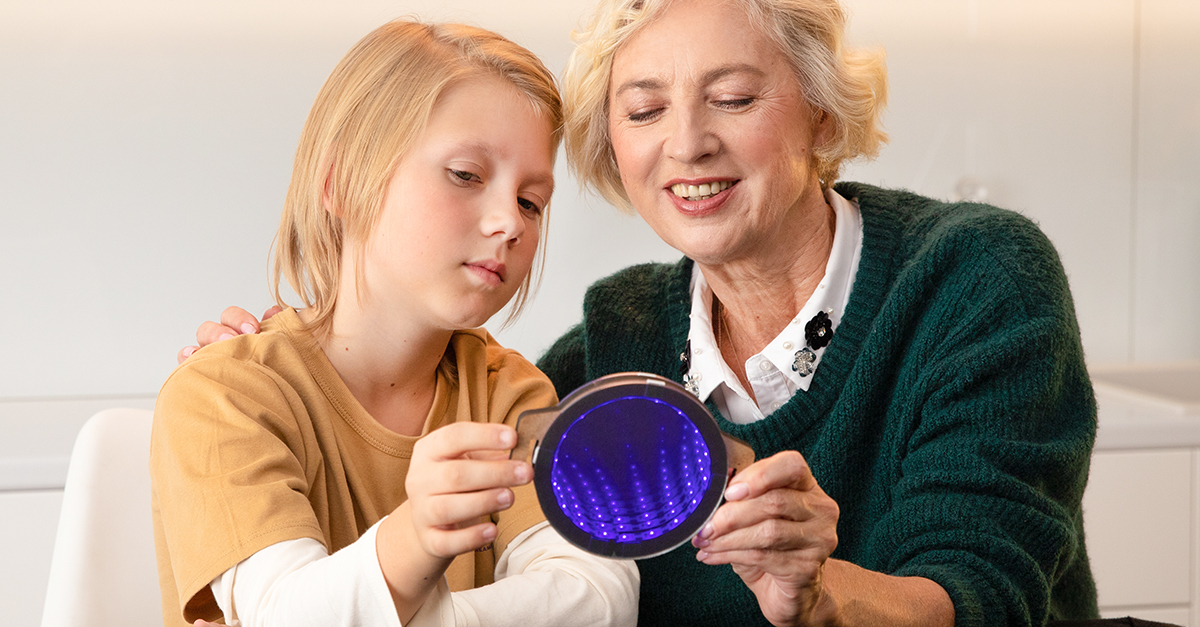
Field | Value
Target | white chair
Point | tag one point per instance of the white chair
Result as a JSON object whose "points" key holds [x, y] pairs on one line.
{"points": [[103, 570]]}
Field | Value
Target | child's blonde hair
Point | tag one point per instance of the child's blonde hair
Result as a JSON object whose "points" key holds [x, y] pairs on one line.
{"points": [[371, 109]]}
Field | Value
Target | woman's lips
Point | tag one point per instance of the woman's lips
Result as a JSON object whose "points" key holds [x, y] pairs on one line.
{"points": [[701, 191], [699, 199]]}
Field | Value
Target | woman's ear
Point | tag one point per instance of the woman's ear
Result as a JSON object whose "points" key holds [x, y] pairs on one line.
{"points": [[823, 128]]}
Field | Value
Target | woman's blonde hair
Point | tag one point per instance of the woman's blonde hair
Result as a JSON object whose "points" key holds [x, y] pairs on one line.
{"points": [[371, 109], [848, 85]]}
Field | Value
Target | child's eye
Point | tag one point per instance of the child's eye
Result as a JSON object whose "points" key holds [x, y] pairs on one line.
{"points": [[464, 176], [530, 207]]}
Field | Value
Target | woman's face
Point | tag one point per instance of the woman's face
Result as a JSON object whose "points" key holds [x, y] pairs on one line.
{"points": [[712, 135]]}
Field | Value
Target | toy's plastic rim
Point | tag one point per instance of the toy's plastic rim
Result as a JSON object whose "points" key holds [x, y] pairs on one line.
{"points": [[597, 393]]}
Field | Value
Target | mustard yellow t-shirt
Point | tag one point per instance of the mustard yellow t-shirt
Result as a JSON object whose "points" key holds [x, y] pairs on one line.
{"points": [[257, 440]]}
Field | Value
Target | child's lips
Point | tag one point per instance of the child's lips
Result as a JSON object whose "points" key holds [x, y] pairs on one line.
{"points": [[490, 268]]}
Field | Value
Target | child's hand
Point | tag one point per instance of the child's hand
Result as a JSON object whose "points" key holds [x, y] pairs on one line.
{"points": [[458, 476]]}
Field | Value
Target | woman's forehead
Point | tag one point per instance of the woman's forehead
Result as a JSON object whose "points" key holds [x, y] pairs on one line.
{"points": [[698, 41]]}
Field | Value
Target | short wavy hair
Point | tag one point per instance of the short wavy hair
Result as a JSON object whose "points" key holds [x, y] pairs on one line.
{"points": [[374, 105], [848, 85]]}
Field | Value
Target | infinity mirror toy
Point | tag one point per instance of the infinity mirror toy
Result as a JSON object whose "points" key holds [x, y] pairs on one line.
{"points": [[630, 465]]}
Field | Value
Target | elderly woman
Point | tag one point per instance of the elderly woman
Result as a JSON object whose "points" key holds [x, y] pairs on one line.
{"points": [[909, 372]]}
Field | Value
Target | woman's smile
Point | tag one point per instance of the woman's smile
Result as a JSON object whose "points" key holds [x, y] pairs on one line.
{"points": [[702, 191], [700, 199]]}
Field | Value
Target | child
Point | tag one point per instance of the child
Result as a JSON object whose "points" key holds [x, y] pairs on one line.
{"points": [[349, 464]]}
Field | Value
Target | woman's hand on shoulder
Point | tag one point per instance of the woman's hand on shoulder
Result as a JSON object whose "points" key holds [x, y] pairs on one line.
{"points": [[777, 529], [234, 321]]}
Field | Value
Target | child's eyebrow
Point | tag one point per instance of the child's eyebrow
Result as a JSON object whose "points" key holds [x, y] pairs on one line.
{"points": [[546, 179]]}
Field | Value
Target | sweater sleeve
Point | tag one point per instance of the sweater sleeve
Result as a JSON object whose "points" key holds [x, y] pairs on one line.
{"points": [[993, 468], [564, 362]]}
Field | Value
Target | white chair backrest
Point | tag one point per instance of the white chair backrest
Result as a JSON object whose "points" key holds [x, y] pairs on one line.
{"points": [[103, 570]]}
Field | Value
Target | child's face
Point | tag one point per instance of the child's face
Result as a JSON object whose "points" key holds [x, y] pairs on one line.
{"points": [[459, 226]]}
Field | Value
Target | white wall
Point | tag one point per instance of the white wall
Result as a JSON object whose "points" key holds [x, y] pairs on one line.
{"points": [[145, 148]]}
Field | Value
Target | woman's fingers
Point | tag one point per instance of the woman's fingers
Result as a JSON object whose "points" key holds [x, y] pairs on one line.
{"points": [[782, 470], [185, 352], [778, 509], [240, 319], [234, 321]]}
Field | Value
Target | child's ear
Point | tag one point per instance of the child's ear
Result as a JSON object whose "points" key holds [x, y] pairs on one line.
{"points": [[326, 196]]}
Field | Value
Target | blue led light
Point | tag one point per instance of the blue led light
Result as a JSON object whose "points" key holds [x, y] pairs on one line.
{"points": [[612, 475]]}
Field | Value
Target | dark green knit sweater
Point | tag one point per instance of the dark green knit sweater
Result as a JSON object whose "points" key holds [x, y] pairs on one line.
{"points": [[951, 418]]}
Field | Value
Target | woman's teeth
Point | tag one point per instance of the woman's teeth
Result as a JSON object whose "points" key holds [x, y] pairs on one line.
{"points": [[702, 191]]}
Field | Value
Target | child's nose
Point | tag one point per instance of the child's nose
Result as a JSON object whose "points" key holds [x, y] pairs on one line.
{"points": [[504, 219]]}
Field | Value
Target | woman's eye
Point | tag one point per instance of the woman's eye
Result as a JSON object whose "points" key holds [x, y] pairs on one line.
{"points": [[464, 176], [644, 115], [735, 103], [530, 207]]}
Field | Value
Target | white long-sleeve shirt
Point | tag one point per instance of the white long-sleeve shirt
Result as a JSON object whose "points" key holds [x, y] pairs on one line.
{"points": [[539, 579]]}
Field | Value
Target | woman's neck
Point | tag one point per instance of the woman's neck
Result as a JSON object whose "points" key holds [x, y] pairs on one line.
{"points": [[386, 361], [760, 295]]}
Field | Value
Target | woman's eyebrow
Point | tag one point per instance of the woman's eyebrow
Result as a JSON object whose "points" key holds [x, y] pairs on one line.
{"points": [[717, 74], [709, 77], [640, 83]]}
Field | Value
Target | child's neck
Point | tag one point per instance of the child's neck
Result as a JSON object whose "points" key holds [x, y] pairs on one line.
{"points": [[388, 364]]}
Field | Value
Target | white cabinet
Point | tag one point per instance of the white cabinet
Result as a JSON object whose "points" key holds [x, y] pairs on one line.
{"points": [[1139, 524], [1142, 505]]}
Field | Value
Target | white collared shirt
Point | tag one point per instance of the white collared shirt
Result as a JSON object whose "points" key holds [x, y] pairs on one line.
{"points": [[770, 371]]}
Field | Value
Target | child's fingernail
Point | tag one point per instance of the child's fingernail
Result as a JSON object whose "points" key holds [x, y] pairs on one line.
{"points": [[187, 352], [737, 492], [508, 438], [505, 498], [248, 329], [489, 533], [225, 336], [524, 473]]}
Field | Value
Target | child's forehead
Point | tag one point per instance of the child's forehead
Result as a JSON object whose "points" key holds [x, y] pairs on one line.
{"points": [[487, 115]]}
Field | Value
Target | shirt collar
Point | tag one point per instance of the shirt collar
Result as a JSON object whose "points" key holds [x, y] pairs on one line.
{"points": [[708, 369]]}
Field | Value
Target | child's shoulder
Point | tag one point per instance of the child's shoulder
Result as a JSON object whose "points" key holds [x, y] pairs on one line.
{"points": [[477, 349], [478, 355]]}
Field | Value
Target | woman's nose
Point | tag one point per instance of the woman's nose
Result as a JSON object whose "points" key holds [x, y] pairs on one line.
{"points": [[691, 139]]}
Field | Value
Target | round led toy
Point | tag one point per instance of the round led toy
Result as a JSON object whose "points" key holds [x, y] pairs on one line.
{"points": [[630, 465]]}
